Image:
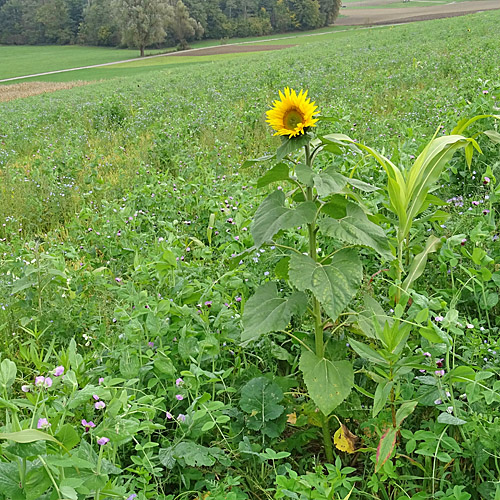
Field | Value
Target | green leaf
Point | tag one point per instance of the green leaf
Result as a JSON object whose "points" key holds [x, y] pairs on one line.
{"points": [[278, 173], [328, 382], [304, 174], [419, 261], [446, 418], [385, 448], [250, 162], [9, 481], [266, 312], [329, 182], [493, 135], [355, 229], [381, 394], [193, 454], [260, 398], [68, 436], [26, 450], [272, 216], [334, 285], [28, 436], [8, 372], [361, 185], [291, 144], [405, 410], [367, 352], [163, 364], [36, 482]]}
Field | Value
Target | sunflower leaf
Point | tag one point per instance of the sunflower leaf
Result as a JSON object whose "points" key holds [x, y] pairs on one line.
{"points": [[277, 173], [291, 144], [272, 216]]}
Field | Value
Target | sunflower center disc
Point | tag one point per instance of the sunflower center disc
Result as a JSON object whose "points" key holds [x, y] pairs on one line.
{"points": [[292, 118]]}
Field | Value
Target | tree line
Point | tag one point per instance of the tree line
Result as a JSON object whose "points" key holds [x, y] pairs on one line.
{"points": [[155, 23]]}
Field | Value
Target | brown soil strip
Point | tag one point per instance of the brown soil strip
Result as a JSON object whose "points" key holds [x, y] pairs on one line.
{"points": [[230, 49], [358, 17], [27, 89]]}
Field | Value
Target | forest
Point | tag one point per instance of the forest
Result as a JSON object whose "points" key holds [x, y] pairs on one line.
{"points": [[146, 23]]}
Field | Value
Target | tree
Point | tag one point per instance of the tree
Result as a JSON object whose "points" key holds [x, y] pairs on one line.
{"points": [[142, 21], [99, 26], [181, 27], [330, 9], [54, 17]]}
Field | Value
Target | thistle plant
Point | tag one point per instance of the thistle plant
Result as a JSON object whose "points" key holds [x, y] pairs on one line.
{"points": [[322, 203]]}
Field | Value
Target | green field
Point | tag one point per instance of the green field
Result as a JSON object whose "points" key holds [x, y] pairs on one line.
{"points": [[177, 323]]}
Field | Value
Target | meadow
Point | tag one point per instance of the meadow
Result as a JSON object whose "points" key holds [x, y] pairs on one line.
{"points": [[158, 332]]}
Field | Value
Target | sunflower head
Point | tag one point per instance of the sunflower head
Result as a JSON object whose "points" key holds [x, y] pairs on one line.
{"points": [[292, 114]]}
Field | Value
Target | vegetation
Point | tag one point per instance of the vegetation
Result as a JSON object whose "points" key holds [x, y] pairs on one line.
{"points": [[144, 23], [193, 308]]}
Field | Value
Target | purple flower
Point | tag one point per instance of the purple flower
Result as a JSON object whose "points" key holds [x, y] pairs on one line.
{"points": [[43, 424], [475, 203], [238, 299], [437, 402], [440, 362], [208, 303], [96, 397], [449, 409], [39, 380], [427, 354], [181, 417], [486, 212], [439, 373], [58, 371], [169, 415], [438, 319], [118, 280], [88, 425], [132, 497], [463, 242], [179, 382], [179, 397], [102, 441], [151, 344], [100, 405], [486, 180], [101, 380], [25, 388]]}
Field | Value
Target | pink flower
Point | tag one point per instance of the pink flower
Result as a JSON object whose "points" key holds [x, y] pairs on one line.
{"points": [[179, 382], [58, 371], [88, 425], [439, 373], [102, 441], [427, 354], [48, 382], [39, 381], [181, 417], [100, 405], [43, 424], [179, 397], [169, 415], [101, 380], [25, 388], [96, 397]]}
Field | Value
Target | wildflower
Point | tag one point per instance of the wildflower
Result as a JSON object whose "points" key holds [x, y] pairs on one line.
{"points": [[470, 326], [238, 299], [292, 114], [88, 425], [449, 409], [25, 388], [102, 441], [101, 380], [179, 397], [118, 280], [437, 402], [47, 382], [181, 417], [132, 497], [100, 405], [208, 303], [151, 344], [438, 319], [486, 212], [43, 424], [39, 381], [179, 382], [427, 354], [439, 362], [96, 397], [439, 373], [475, 203], [169, 415], [486, 180], [463, 242], [58, 371]]}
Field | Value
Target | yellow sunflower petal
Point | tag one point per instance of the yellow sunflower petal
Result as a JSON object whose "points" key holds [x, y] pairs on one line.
{"points": [[292, 114]]}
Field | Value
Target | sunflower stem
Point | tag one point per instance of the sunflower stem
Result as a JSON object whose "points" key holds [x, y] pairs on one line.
{"points": [[316, 312]]}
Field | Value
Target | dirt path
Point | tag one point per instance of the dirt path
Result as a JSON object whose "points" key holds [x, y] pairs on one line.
{"points": [[356, 17]]}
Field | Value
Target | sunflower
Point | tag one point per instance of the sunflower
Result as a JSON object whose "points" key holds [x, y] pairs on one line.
{"points": [[292, 114]]}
